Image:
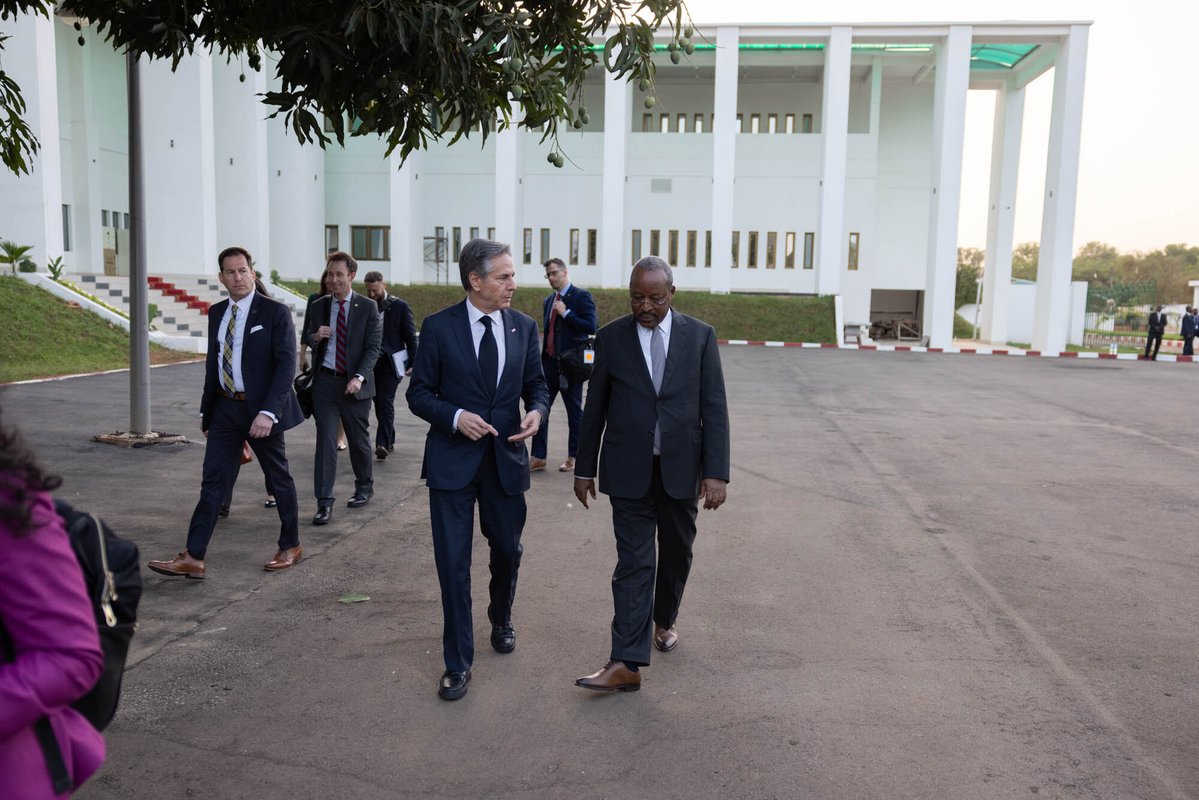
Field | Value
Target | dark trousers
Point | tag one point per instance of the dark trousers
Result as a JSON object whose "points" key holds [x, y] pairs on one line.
{"points": [[227, 430], [637, 598], [330, 403], [501, 519], [386, 384], [1155, 342], [1188, 345], [572, 397]]}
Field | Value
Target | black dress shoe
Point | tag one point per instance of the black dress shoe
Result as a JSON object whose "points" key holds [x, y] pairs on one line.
{"points": [[453, 685], [381, 452], [503, 638], [360, 499], [322, 517], [224, 512]]}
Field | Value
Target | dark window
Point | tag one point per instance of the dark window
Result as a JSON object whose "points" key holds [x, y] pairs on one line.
{"points": [[751, 256], [772, 240], [647, 123], [332, 238], [545, 245], [807, 123], [474, 233], [736, 248], [692, 246], [574, 247], [809, 250], [707, 248], [370, 242], [655, 242], [527, 256], [854, 240], [491, 234], [66, 228], [673, 251], [592, 246], [636, 253], [457, 251]]}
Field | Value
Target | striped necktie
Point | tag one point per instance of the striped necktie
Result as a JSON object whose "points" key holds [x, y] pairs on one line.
{"points": [[227, 351]]}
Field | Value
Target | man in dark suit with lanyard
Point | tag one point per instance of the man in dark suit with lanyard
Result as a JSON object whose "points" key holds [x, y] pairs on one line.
{"points": [[657, 398], [477, 360], [345, 347], [399, 333], [569, 319], [247, 397]]}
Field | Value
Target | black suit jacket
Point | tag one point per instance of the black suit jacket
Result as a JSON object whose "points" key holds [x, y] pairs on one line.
{"points": [[1157, 323], [399, 333], [575, 327], [362, 336], [446, 377], [268, 361], [622, 408]]}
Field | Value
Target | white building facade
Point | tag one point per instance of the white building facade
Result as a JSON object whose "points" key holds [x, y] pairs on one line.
{"points": [[807, 159]]}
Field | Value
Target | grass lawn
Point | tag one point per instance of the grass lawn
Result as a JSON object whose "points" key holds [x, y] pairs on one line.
{"points": [[787, 318], [47, 336]]}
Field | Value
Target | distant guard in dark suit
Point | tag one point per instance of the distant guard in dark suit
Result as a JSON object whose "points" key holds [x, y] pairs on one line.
{"points": [[478, 360], [568, 320], [342, 328], [247, 397], [399, 333], [1188, 332], [657, 400], [1157, 327]]}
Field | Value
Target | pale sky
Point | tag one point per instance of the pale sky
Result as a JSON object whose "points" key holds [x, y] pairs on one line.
{"points": [[1139, 167]]}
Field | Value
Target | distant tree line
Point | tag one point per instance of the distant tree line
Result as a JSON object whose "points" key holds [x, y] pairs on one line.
{"points": [[1158, 276]]}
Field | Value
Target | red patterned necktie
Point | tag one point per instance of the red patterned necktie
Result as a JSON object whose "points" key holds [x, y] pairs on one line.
{"points": [[341, 337], [553, 326]]}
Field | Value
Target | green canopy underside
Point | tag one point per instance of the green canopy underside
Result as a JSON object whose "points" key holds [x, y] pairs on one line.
{"points": [[982, 56]]}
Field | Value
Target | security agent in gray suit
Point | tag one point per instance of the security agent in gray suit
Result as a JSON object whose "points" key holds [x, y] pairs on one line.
{"points": [[657, 399], [343, 330]]}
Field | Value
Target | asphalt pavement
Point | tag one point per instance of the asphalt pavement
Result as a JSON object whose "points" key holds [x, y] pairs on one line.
{"points": [[936, 576]]}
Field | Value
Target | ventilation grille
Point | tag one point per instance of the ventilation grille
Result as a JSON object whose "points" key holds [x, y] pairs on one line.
{"points": [[660, 186]]}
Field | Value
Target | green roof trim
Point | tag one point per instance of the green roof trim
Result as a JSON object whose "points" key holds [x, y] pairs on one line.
{"points": [[982, 56]]}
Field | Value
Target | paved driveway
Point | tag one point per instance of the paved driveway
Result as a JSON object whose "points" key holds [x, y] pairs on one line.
{"points": [[936, 576]]}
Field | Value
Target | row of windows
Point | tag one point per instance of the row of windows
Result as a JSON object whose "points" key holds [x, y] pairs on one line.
{"points": [[372, 243], [115, 218], [757, 123]]}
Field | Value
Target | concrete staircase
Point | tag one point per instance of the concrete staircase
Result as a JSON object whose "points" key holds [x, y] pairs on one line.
{"points": [[182, 301]]}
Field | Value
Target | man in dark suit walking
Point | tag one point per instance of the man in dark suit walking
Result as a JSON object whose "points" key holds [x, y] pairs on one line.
{"points": [[1157, 327], [568, 320], [345, 347], [247, 397], [478, 359], [399, 333], [1188, 332], [657, 398]]}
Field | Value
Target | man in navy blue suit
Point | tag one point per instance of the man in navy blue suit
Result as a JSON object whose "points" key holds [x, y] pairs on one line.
{"points": [[477, 360], [247, 396], [569, 319]]}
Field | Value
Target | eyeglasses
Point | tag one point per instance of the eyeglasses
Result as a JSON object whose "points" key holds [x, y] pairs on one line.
{"points": [[637, 301]]}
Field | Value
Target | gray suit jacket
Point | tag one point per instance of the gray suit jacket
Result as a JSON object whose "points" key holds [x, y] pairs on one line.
{"points": [[622, 408], [363, 336]]}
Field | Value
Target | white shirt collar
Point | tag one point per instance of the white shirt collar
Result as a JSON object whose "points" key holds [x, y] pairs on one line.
{"points": [[664, 325], [475, 315], [243, 305]]}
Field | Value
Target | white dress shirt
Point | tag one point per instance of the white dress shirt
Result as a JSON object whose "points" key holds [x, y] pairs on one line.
{"points": [[239, 340], [644, 335], [476, 335], [331, 350]]}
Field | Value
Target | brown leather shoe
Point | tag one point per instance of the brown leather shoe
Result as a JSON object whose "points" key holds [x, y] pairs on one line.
{"points": [[568, 465], [536, 464], [182, 564], [614, 677], [665, 639], [284, 559]]}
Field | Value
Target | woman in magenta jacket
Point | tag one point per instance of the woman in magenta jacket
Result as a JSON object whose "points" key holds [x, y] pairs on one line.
{"points": [[46, 612]]}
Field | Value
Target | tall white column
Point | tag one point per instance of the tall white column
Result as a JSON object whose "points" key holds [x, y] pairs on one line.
{"points": [[724, 156], [31, 205], [1005, 166], [407, 241], [241, 162], [949, 133], [180, 181], [1052, 312], [296, 183], [613, 257], [834, 136], [509, 189], [87, 243]]}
